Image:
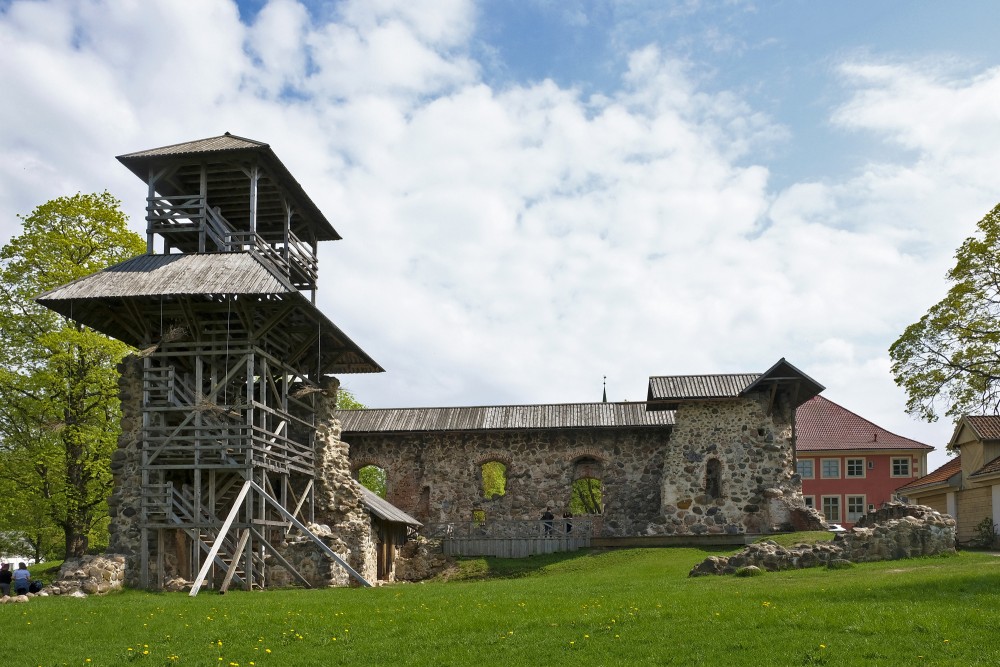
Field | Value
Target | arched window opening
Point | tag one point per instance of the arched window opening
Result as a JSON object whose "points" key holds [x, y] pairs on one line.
{"points": [[588, 496], [713, 479], [494, 476], [373, 478]]}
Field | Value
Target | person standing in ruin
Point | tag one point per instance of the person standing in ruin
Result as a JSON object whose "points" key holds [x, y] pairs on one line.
{"points": [[547, 517], [568, 520], [5, 578], [22, 579]]}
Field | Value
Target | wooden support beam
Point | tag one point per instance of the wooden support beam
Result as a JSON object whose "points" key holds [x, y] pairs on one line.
{"points": [[223, 530], [305, 531], [231, 570]]}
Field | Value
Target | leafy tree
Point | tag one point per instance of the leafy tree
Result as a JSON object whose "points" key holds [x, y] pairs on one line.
{"points": [[494, 479], [373, 478], [348, 401], [952, 355], [587, 496], [59, 409]]}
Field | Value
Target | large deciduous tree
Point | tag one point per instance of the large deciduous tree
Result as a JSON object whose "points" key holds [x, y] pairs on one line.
{"points": [[951, 357], [59, 408]]}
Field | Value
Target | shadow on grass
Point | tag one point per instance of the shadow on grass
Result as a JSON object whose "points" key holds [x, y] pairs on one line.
{"points": [[479, 568]]}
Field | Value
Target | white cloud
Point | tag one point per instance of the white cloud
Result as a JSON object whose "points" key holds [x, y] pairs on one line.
{"points": [[517, 244]]}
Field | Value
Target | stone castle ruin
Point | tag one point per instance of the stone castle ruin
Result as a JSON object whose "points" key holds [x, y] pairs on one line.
{"points": [[232, 470], [704, 455]]}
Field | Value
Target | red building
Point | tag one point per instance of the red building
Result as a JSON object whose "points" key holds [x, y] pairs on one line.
{"points": [[850, 466]]}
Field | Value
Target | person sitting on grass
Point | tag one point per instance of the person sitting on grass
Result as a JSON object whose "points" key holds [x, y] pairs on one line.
{"points": [[22, 579]]}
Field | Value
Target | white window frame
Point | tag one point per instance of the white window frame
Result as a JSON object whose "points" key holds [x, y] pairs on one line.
{"points": [[822, 468], [812, 468], [847, 468], [833, 519], [897, 459], [810, 501], [847, 507]]}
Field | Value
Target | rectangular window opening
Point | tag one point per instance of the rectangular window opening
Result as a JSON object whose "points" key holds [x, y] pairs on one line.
{"points": [[855, 508], [901, 466], [831, 508]]}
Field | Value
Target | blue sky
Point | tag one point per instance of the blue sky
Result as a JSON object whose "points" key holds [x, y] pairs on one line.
{"points": [[537, 194]]}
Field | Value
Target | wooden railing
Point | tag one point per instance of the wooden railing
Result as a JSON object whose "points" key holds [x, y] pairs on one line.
{"points": [[510, 528], [192, 216], [510, 538]]}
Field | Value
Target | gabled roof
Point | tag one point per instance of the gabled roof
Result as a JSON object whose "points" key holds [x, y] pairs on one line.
{"points": [[668, 390], [502, 418], [986, 427], [939, 477], [822, 425], [385, 510], [226, 158]]}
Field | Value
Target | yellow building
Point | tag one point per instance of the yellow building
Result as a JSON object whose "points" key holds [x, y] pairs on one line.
{"points": [[968, 486]]}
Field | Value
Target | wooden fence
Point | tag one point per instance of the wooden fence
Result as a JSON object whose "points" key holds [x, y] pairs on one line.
{"points": [[509, 538]]}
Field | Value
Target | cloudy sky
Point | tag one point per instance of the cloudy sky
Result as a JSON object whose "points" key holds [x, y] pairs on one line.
{"points": [[535, 194]]}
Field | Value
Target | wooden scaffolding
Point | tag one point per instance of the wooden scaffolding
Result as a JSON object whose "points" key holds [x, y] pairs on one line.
{"points": [[234, 356]]}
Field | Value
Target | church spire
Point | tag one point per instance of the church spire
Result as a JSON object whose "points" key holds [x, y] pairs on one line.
{"points": [[605, 399]]}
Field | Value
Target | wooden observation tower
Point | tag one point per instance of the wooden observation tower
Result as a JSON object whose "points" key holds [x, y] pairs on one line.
{"points": [[233, 355]]}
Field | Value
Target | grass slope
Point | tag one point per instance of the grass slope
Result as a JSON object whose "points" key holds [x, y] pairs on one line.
{"points": [[630, 607]]}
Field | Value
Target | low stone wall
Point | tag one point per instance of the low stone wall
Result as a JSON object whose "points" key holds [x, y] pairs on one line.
{"points": [[420, 559], [90, 575], [894, 532]]}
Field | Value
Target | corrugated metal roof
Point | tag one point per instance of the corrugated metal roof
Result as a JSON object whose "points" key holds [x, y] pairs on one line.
{"points": [[987, 427], [674, 387], [226, 142], [938, 476], [385, 510], [821, 425], [170, 275], [503, 417], [782, 377]]}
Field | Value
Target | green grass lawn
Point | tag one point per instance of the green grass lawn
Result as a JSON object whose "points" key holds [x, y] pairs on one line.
{"points": [[629, 607]]}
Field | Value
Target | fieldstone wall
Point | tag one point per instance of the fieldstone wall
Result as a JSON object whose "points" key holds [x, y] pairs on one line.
{"points": [[754, 453], [421, 559], [342, 520], [899, 531], [91, 575], [436, 477], [653, 483], [125, 503], [891, 534]]}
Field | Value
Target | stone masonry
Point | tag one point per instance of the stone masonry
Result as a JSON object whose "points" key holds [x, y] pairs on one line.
{"points": [[892, 533], [125, 503], [436, 477], [342, 521], [755, 457], [653, 482]]}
